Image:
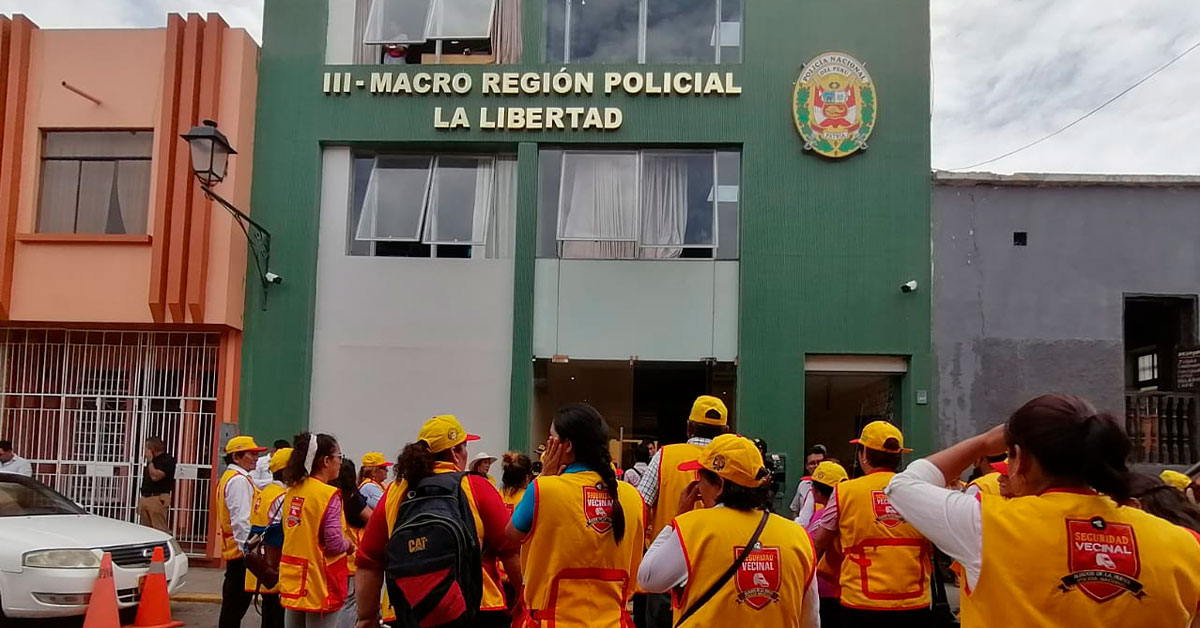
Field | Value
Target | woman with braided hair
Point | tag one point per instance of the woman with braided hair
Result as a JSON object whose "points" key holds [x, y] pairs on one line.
{"points": [[582, 529]]}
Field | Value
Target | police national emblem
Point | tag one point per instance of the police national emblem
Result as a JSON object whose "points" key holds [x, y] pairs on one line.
{"points": [[834, 105]]}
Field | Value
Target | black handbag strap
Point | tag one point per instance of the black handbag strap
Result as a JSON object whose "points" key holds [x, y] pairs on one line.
{"points": [[703, 599]]}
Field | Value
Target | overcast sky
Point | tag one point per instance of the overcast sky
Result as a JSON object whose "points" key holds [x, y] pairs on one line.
{"points": [[1006, 72]]}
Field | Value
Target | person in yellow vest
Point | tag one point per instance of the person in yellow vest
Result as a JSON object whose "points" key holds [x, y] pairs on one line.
{"points": [[517, 473], [826, 476], [1064, 551], [266, 520], [313, 574], [582, 529], [884, 576], [441, 447], [371, 477], [773, 583], [708, 419], [356, 513], [235, 497], [987, 480]]}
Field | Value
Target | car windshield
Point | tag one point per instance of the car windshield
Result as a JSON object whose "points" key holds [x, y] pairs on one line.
{"points": [[22, 497]]}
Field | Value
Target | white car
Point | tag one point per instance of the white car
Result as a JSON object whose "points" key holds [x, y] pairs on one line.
{"points": [[51, 551]]}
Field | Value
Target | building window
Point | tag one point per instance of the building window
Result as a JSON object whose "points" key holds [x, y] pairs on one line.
{"points": [[439, 31], [1147, 369], [95, 182], [639, 204], [414, 205], [644, 31]]}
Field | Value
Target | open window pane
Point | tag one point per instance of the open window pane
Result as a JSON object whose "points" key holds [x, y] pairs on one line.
{"points": [[460, 200], [398, 21], [602, 31], [394, 204], [677, 207], [728, 193], [681, 31], [598, 199], [729, 33], [461, 19]]}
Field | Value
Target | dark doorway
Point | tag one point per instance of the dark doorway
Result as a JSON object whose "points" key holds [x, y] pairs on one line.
{"points": [[1156, 329], [1160, 399]]}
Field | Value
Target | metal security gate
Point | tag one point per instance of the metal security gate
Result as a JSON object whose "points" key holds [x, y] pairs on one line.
{"points": [[79, 404]]}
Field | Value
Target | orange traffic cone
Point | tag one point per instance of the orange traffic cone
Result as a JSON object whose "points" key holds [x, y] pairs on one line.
{"points": [[102, 605], [155, 608]]}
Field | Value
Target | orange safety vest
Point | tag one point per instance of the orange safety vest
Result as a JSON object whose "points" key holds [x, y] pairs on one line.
{"points": [[493, 594], [1071, 558], [886, 561], [671, 482], [309, 580], [229, 546], [769, 586], [988, 484], [576, 574], [260, 517]]}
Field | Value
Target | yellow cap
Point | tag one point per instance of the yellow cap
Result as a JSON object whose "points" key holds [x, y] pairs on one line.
{"points": [[829, 473], [238, 444], [279, 459], [375, 459], [1175, 479], [876, 434], [705, 405], [734, 458], [443, 432]]}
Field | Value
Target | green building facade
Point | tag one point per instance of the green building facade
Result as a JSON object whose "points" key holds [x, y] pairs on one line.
{"points": [[495, 273]]}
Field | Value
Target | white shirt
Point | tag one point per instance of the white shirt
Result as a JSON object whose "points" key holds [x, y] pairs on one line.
{"points": [[371, 492], [262, 476], [17, 465], [648, 483], [808, 503], [238, 495], [951, 520], [664, 567], [803, 490]]}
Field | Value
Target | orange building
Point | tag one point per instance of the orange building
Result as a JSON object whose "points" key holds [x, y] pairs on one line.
{"points": [[121, 285]]}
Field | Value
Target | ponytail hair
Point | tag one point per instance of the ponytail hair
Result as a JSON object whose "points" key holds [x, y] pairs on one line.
{"points": [[587, 431], [415, 463], [302, 459], [1074, 444], [1165, 502], [517, 471]]}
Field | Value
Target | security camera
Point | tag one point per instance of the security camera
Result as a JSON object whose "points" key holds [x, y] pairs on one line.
{"points": [[910, 286], [276, 279]]}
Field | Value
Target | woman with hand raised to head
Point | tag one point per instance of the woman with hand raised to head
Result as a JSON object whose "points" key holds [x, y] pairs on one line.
{"points": [[1066, 550]]}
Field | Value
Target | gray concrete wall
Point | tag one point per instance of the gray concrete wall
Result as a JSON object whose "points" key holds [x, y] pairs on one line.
{"points": [[1013, 322]]}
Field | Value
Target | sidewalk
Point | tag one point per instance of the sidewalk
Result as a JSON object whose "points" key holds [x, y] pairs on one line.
{"points": [[203, 585]]}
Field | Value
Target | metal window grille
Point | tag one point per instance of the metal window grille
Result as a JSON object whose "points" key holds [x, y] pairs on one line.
{"points": [[79, 405]]}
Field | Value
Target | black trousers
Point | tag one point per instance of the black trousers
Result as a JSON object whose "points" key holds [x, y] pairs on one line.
{"points": [[831, 609], [639, 610], [857, 618], [234, 598], [658, 611], [272, 611]]}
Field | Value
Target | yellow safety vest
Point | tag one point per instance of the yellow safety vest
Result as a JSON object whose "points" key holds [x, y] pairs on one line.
{"points": [[1070, 558], [988, 484], [512, 499], [769, 586], [885, 562], [308, 579], [576, 574], [229, 547], [493, 594], [260, 517], [671, 482]]}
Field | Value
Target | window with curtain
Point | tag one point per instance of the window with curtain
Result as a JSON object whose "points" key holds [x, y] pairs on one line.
{"points": [[648, 204], [643, 31], [446, 205], [95, 182], [433, 31]]}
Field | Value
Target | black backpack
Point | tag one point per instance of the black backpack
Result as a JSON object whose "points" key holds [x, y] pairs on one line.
{"points": [[434, 565]]}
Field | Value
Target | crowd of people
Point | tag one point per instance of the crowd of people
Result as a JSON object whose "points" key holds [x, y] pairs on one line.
{"points": [[1052, 529]]}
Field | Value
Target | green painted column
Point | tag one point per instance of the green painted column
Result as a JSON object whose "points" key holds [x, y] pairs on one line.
{"points": [[520, 404]]}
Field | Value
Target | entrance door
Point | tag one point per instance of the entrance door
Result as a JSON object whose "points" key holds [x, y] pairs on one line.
{"points": [[844, 393]]}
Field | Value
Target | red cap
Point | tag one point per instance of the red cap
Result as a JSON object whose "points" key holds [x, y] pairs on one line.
{"points": [[1001, 466]]}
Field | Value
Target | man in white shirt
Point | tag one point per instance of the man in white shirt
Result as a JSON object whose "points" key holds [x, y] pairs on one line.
{"points": [[10, 462]]}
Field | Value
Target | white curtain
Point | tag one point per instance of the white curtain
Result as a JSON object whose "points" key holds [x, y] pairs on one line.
{"points": [[502, 230], [133, 193], [485, 178], [664, 205], [60, 187], [363, 54], [95, 196], [599, 203], [506, 34]]}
